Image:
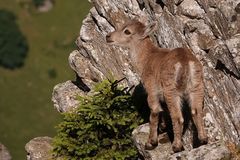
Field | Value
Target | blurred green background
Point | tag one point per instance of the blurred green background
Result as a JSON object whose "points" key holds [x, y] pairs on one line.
{"points": [[26, 110]]}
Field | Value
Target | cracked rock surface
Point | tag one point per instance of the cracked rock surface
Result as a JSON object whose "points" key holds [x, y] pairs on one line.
{"points": [[210, 28]]}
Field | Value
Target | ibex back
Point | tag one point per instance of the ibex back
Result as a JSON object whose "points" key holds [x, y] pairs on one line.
{"points": [[167, 75]]}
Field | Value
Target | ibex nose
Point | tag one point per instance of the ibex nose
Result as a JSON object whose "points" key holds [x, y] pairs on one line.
{"points": [[108, 38]]}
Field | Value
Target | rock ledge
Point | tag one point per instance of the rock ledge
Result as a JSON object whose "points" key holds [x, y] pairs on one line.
{"points": [[213, 151]]}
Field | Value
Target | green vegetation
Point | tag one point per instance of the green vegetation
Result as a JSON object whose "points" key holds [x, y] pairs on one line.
{"points": [[26, 110], [13, 45], [100, 128]]}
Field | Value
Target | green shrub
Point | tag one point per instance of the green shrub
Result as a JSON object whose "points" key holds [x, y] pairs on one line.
{"points": [[13, 45], [100, 128]]}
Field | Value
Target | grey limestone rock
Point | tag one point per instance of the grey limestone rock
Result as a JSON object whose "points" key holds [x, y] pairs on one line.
{"points": [[213, 151], [65, 96], [4, 153], [39, 148]]}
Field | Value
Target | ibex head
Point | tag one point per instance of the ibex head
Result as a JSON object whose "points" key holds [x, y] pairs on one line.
{"points": [[131, 32]]}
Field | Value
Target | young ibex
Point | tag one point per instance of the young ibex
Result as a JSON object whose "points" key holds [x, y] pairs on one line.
{"points": [[167, 75]]}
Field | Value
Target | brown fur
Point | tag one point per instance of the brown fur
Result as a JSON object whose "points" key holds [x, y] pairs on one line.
{"points": [[168, 75]]}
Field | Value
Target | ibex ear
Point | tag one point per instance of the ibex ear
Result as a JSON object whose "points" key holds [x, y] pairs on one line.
{"points": [[149, 29]]}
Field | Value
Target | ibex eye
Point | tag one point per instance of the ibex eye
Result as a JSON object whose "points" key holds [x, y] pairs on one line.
{"points": [[127, 32]]}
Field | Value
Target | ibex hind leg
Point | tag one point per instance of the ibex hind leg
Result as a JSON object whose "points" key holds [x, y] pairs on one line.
{"points": [[196, 104], [153, 102], [174, 103], [196, 96]]}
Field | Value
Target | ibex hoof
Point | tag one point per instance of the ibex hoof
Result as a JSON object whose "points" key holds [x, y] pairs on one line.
{"points": [[204, 140], [177, 148], [150, 146]]}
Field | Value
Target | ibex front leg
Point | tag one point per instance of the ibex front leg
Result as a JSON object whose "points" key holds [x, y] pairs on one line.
{"points": [[153, 102]]}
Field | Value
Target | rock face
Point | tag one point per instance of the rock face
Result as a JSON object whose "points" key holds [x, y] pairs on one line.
{"points": [[4, 153], [210, 28]]}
